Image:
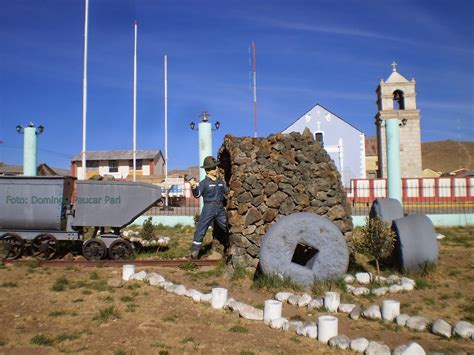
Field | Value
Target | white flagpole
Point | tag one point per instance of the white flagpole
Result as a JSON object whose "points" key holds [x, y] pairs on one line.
{"points": [[135, 105], [166, 116], [84, 93]]}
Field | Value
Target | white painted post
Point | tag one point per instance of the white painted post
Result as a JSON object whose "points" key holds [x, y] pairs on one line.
{"points": [[84, 94]]}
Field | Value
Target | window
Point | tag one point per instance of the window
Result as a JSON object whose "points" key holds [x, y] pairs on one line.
{"points": [[92, 164], [113, 166], [138, 163], [398, 100], [319, 138]]}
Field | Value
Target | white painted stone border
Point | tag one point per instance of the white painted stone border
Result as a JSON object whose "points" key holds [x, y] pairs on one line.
{"points": [[308, 329], [460, 328]]}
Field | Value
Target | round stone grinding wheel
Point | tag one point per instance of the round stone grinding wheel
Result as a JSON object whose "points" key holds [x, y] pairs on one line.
{"points": [[387, 209], [304, 247], [416, 244]]}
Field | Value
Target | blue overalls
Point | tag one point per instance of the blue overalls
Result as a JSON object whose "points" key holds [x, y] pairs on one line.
{"points": [[213, 194]]}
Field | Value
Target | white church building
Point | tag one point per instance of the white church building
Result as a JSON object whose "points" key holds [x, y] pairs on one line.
{"points": [[344, 143]]}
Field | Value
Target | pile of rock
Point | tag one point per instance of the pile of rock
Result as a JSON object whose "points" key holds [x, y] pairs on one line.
{"points": [[276, 176], [392, 284], [161, 242]]}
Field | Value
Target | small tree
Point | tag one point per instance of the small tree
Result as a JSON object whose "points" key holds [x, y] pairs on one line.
{"points": [[375, 241], [148, 230]]}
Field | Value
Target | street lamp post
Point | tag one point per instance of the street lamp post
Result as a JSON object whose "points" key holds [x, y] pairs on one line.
{"points": [[205, 141], [29, 147]]}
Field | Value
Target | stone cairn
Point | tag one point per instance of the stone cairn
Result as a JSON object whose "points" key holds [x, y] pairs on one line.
{"points": [[273, 177]]}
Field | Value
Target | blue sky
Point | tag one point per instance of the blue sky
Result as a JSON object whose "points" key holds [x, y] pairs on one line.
{"points": [[308, 52]]}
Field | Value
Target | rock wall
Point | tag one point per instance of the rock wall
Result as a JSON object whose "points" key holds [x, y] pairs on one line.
{"points": [[273, 177]]}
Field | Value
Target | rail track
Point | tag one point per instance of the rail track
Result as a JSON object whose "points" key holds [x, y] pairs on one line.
{"points": [[116, 263]]}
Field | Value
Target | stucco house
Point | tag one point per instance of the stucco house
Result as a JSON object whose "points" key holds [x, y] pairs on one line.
{"points": [[344, 143], [119, 163]]}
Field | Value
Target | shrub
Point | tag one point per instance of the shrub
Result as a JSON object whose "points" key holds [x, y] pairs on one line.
{"points": [[42, 340], [148, 230], [376, 240], [60, 284], [105, 314], [238, 329]]}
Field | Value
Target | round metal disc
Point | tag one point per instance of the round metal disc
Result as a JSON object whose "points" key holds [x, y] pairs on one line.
{"points": [[11, 246], [94, 249], [44, 247], [120, 249]]}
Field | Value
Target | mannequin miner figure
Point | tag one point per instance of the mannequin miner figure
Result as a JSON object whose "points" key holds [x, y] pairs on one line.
{"points": [[213, 190]]}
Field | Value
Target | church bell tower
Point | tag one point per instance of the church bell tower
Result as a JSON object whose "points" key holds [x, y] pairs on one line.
{"points": [[396, 98]]}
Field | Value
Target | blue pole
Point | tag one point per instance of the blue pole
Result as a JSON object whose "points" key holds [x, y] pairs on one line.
{"points": [[29, 151], [205, 148], [393, 159]]}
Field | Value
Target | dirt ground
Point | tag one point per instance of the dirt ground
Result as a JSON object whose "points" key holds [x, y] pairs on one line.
{"points": [[47, 310]]}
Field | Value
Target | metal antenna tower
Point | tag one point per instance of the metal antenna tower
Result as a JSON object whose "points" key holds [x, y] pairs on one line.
{"points": [[253, 49]]}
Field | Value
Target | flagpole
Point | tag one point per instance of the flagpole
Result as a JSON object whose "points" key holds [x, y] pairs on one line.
{"points": [[135, 104], [166, 116], [84, 93]]}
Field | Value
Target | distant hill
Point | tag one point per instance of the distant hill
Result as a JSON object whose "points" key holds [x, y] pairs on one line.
{"points": [[446, 156], [192, 170]]}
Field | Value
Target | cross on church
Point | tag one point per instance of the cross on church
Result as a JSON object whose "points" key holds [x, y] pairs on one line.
{"points": [[394, 66]]}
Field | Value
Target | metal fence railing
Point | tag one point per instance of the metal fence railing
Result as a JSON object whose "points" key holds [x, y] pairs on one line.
{"points": [[179, 202], [183, 203], [444, 202]]}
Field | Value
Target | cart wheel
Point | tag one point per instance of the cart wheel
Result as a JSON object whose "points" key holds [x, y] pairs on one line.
{"points": [[94, 249], [120, 249], [44, 247], [11, 246]]}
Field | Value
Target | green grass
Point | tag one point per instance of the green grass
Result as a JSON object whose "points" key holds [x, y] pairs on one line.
{"points": [[238, 329], [108, 299], [105, 314], [295, 339], [57, 313], [3, 343], [239, 273], [462, 236], [274, 282], [8, 284], [131, 307], [94, 276], [60, 284], [422, 284], [245, 352], [33, 264], [188, 266], [171, 318], [160, 345], [127, 298], [133, 286], [217, 271], [468, 308], [42, 340], [429, 300], [187, 340], [77, 300], [297, 317], [99, 285], [320, 287], [64, 337]]}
